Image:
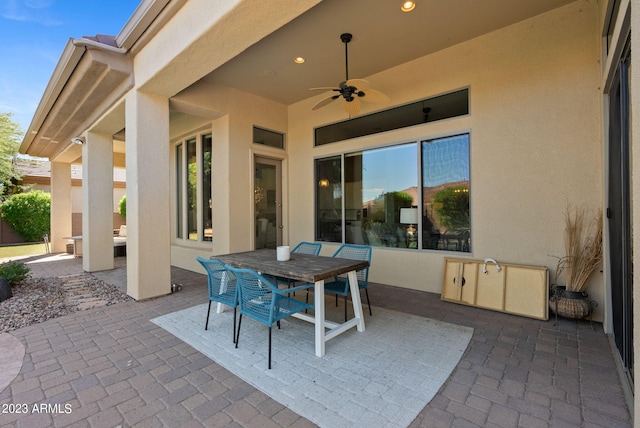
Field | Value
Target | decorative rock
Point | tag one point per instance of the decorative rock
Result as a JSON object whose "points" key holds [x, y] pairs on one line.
{"points": [[5, 290], [37, 300]]}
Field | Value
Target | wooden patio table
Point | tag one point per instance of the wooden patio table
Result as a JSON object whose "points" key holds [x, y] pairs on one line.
{"points": [[312, 269]]}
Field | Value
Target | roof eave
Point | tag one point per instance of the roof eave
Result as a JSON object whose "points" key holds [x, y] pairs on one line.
{"points": [[144, 15], [69, 59]]}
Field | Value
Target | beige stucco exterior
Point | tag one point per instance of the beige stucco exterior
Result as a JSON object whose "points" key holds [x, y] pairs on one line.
{"points": [[537, 126], [553, 135], [518, 131]]}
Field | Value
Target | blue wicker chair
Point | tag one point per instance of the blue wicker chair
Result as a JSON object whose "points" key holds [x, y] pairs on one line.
{"points": [[222, 287], [311, 248], [263, 301], [304, 247], [340, 285]]}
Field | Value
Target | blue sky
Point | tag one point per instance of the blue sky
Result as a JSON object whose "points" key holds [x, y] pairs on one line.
{"points": [[33, 34]]}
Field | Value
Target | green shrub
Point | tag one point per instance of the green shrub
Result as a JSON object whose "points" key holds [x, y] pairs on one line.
{"points": [[122, 206], [14, 272], [452, 206], [28, 214]]}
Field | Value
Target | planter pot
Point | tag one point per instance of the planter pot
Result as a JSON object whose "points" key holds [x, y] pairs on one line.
{"points": [[570, 304], [5, 290]]}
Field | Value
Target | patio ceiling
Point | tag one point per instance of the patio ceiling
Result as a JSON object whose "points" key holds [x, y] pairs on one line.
{"points": [[383, 37]]}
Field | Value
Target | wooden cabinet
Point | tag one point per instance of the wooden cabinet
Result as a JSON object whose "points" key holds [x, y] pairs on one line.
{"points": [[515, 289]]}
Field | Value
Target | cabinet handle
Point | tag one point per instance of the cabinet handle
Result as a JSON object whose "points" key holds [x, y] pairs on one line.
{"points": [[463, 281]]}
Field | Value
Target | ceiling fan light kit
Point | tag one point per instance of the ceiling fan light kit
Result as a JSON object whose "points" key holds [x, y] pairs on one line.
{"points": [[351, 90]]}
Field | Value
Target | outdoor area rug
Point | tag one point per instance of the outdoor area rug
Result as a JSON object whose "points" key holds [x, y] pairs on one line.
{"points": [[381, 377]]}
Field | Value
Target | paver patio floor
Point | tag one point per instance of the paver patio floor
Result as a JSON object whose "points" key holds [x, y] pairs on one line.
{"points": [[110, 366]]}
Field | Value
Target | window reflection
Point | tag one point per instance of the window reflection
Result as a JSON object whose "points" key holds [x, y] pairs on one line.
{"points": [[207, 217], [192, 190], [445, 193], [382, 199], [329, 199], [179, 200], [378, 184], [194, 219]]}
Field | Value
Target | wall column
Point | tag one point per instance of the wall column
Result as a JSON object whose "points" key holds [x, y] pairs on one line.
{"points": [[97, 203], [61, 209], [148, 196]]}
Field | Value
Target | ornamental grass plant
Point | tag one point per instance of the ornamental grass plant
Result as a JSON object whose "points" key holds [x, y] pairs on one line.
{"points": [[583, 247]]}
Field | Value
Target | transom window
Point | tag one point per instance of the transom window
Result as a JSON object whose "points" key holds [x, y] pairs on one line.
{"points": [[268, 138], [413, 195], [432, 109]]}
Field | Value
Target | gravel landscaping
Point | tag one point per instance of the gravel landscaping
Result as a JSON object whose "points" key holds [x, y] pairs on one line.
{"points": [[40, 299]]}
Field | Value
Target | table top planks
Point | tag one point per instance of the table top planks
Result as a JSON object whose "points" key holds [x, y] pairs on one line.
{"points": [[301, 267]]}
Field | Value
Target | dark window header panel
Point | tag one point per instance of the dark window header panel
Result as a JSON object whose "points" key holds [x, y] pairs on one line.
{"points": [[428, 110]]}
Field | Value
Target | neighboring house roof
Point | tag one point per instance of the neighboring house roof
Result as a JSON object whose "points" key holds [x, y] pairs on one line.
{"points": [[35, 171]]}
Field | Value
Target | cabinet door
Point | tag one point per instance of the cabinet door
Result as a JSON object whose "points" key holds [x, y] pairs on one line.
{"points": [[515, 289], [490, 290], [460, 281], [528, 292]]}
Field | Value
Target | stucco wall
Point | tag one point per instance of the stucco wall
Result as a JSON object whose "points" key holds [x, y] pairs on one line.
{"points": [[235, 113], [535, 125]]}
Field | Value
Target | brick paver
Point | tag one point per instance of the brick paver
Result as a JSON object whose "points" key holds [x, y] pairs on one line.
{"points": [[110, 366]]}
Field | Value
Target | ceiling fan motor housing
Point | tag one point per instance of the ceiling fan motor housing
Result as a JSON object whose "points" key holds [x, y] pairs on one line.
{"points": [[347, 91]]}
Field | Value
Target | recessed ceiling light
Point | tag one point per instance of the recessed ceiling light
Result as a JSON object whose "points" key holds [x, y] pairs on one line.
{"points": [[298, 60], [408, 6]]}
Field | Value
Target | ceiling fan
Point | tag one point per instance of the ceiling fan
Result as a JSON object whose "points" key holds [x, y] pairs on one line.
{"points": [[351, 90]]}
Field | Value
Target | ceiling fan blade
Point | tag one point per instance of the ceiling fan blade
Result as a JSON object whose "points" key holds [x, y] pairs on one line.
{"points": [[376, 97], [361, 84], [352, 107], [324, 89], [324, 102]]}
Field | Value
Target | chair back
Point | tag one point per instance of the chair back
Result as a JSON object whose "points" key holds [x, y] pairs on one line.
{"points": [[356, 252], [255, 294], [312, 248], [221, 282]]}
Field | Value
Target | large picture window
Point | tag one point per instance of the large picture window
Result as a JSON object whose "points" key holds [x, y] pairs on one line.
{"points": [[193, 193], [207, 217], [329, 199], [179, 191], [192, 190], [384, 189], [445, 193]]}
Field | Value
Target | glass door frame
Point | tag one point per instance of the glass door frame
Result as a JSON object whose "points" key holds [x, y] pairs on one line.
{"points": [[619, 213], [260, 194]]}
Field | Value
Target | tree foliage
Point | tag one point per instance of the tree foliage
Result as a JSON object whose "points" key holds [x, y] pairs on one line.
{"points": [[452, 207], [28, 214], [122, 206], [10, 137], [389, 201]]}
